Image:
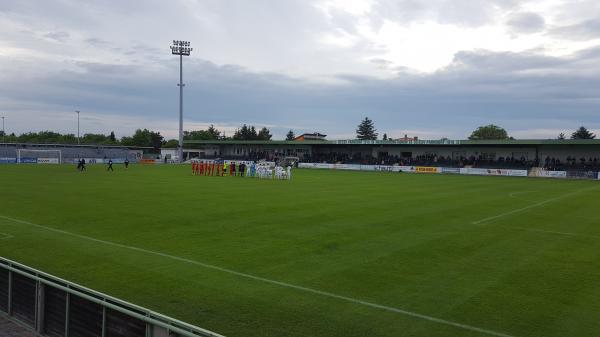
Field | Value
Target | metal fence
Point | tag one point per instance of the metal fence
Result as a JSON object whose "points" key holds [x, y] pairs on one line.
{"points": [[57, 308]]}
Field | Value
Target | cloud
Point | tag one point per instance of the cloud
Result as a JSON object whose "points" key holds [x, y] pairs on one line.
{"points": [[589, 29], [439, 68], [57, 36], [526, 23]]}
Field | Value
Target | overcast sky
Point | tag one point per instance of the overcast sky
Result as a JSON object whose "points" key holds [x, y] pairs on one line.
{"points": [[427, 68]]}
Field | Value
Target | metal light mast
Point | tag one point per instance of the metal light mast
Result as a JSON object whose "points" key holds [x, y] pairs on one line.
{"points": [[181, 48], [77, 111]]}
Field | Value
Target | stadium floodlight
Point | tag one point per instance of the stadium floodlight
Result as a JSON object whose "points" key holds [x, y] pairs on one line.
{"points": [[77, 111], [181, 48]]}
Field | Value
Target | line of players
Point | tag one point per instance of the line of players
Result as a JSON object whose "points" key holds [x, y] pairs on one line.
{"points": [[240, 169]]}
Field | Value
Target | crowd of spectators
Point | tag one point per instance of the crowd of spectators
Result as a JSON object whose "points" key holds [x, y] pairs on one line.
{"points": [[549, 163], [423, 160], [572, 163], [589, 164]]}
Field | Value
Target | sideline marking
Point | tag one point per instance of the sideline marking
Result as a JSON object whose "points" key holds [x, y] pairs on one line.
{"points": [[4, 236], [266, 280], [518, 210]]}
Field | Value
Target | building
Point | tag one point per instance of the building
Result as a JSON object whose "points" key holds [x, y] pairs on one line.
{"points": [[431, 152], [310, 136]]}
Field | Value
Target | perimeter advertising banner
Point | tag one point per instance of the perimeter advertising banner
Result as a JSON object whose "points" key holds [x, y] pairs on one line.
{"points": [[26, 160], [427, 169], [552, 174], [8, 160], [47, 160], [451, 170], [493, 172]]}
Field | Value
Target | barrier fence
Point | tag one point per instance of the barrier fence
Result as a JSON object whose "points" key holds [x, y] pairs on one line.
{"points": [[57, 308], [534, 172]]}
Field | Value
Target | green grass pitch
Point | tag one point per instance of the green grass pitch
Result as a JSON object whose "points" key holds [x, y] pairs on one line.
{"points": [[330, 253]]}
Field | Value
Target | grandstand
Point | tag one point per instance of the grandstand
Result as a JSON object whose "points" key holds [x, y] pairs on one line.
{"points": [[69, 153], [515, 154]]}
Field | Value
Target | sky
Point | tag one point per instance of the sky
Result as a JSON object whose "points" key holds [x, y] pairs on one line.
{"points": [[430, 68]]}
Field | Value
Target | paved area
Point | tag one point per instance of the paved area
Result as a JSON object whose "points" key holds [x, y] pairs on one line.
{"points": [[11, 329]]}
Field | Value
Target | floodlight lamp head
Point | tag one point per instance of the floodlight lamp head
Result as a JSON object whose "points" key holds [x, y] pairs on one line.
{"points": [[181, 48]]}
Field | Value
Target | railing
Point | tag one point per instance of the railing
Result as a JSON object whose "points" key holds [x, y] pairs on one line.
{"points": [[55, 307]]}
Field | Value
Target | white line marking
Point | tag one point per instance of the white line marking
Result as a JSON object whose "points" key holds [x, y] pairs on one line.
{"points": [[266, 280], [550, 232], [4, 236], [518, 210], [514, 195]]}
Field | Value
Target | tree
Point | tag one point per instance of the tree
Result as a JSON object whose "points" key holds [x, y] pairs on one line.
{"points": [[264, 134], [213, 132], [582, 133], [112, 137], [144, 138], [242, 133], [249, 133], [561, 136], [209, 134], [489, 132], [96, 138], [366, 130], [385, 136], [290, 135], [171, 143]]}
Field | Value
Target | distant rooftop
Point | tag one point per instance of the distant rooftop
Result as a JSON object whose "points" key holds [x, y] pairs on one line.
{"points": [[310, 136]]}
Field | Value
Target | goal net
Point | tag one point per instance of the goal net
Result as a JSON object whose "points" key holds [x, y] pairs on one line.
{"points": [[26, 156]]}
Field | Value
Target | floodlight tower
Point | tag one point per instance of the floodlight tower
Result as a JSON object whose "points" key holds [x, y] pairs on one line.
{"points": [[181, 48], [77, 111]]}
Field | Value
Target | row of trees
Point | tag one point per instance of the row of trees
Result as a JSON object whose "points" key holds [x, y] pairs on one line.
{"points": [[55, 137], [366, 131], [141, 137]]}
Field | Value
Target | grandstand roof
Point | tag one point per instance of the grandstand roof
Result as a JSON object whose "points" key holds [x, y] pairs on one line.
{"points": [[78, 145], [442, 142]]}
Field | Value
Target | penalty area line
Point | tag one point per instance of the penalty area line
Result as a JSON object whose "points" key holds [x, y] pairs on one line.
{"points": [[4, 236], [535, 230], [269, 281], [522, 209]]}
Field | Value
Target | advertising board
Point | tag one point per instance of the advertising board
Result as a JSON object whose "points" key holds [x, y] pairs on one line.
{"points": [[493, 172], [426, 169], [451, 170], [552, 174], [47, 160]]}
